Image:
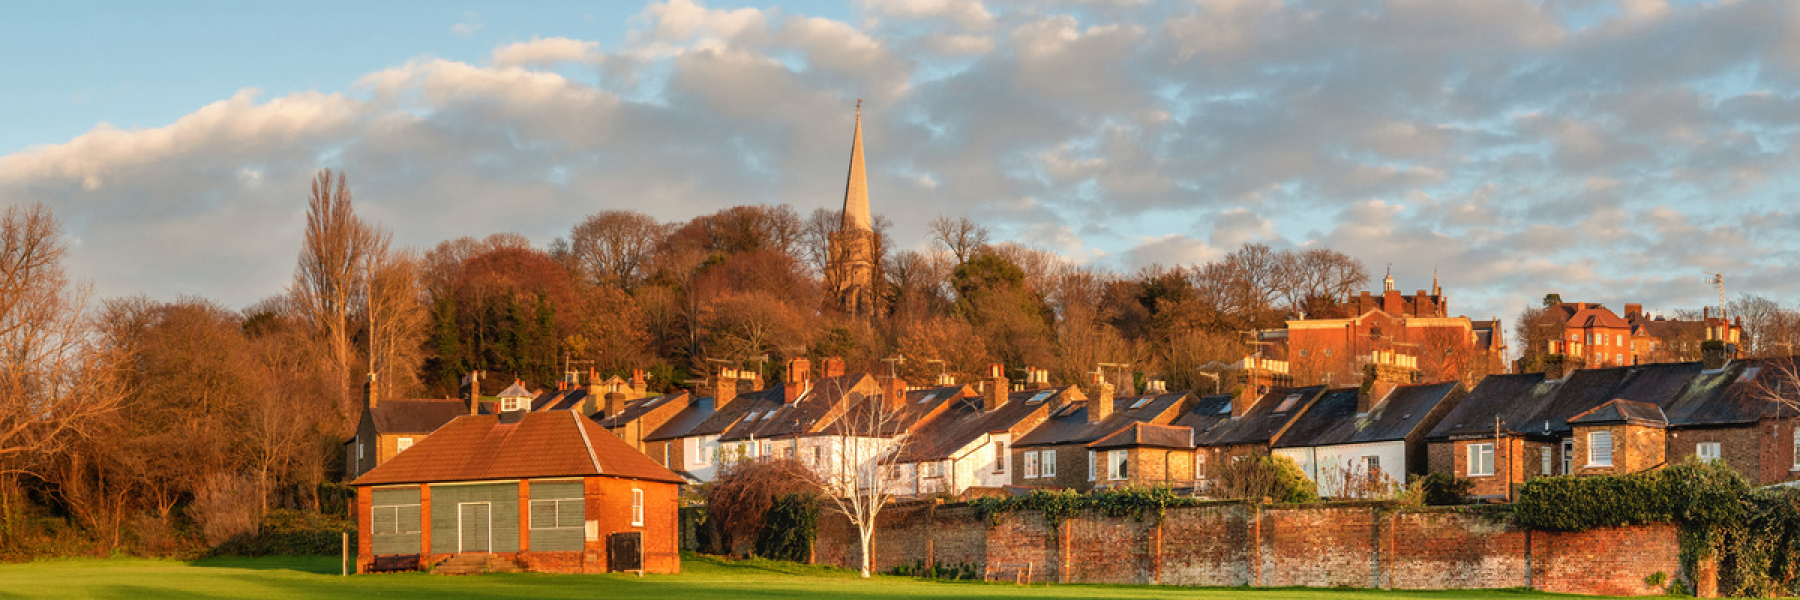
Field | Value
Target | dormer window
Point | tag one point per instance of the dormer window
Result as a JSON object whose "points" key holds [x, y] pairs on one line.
{"points": [[512, 404]]}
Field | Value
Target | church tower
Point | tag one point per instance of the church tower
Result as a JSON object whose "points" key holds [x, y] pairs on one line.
{"points": [[851, 271]]}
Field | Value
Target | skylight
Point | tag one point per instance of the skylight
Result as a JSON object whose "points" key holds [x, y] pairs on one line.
{"points": [[1749, 373], [1140, 403], [1288, 403], [1225, 409], [753, 415], [766, 415], [928, 397], [1040, 396]]}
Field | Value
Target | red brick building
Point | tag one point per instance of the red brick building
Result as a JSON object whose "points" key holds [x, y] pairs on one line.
{"points": [[1445, 348], [1595, 336], [542, 491]]}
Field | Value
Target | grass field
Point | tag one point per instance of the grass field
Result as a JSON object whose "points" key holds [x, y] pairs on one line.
{"points": [[317, 577]]}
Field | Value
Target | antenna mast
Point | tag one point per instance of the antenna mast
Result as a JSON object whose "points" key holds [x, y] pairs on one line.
{"points": [[1718, 279]]}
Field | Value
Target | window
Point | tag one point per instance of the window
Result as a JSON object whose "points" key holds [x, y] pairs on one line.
{"points": [[1031, 469], [1140, 403], [1288, 403], [753, 415], [402, 444], [1328, 352], [359, 449], [1600, 449], [1372, 463], [1119, 464], [766, 448], [1040, 396], [1618, 340], [637, 507], [1797, 448], [1200, 465], [1047, 464], [1545, 467], [999, 457], [1481, 460], [1707, 451], [559, 513], [510, 404], [818, 457], [1092, 460]]}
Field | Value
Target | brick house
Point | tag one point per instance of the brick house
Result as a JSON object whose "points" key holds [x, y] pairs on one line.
{"points": [[1332, 350], [1056, 454], [1622, 420], [545, 491], [1595, 336], [968, 444], [390, 426], [1146, 454]]}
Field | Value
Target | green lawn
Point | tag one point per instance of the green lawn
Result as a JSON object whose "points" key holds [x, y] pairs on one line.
{"points": [[316, 577]]}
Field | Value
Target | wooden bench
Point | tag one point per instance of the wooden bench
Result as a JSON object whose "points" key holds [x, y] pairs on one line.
{"points": [[1021, 572], [395, 562]]}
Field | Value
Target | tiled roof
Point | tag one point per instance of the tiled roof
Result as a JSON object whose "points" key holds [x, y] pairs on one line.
{"points": [[1622, 411], [1596, 316], [1265, 419], [638, 408], [1333, 420], [1139, 435], [518, 445], [416, 416], [1070, 425], [963, 422]]}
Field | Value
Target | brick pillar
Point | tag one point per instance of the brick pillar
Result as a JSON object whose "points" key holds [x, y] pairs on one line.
{"points": [[365, 548], [1706, 577], [424, 523], [524, 516], [1062, 551], [1156, 555], [1256, 542], [594, 558]]}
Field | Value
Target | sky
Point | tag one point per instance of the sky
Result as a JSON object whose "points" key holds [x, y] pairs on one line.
{"points": [[1609, 151]]}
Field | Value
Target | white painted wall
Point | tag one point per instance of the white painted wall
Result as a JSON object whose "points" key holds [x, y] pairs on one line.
{"points": [[1327, 465]]}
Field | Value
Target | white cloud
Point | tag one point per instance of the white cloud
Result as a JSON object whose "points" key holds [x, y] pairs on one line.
{"points": [[547, 51]]}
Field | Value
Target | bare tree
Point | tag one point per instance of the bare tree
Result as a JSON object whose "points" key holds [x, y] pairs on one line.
{"points": [[961, 236], [54, 377], [614, 247], [328, 283], [857, 475], [397, 320]]}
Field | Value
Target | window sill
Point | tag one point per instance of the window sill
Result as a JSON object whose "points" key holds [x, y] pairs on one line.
{"points": [[1598, 466], [1481, 475]]}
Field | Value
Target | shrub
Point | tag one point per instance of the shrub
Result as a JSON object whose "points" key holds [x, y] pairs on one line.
{"points": [[1441, 489], [1271, 478], [789, 527], [291, 533]]}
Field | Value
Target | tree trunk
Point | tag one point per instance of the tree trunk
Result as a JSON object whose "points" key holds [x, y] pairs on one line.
{"points": [[868, 535]]}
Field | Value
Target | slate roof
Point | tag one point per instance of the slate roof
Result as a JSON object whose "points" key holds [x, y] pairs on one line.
{"points": [[1686, 395], [416, 416], [963, 422], [519, 445], [1069, 425], [1622, 411], [1139, 435], [921, 404], [1263, 420], [684, 423], [635, 409], [1333, 419], [1206, 414], [802, 416]]}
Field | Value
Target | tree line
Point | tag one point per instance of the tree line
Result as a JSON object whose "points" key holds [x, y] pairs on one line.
{"points": [[144, 421]]}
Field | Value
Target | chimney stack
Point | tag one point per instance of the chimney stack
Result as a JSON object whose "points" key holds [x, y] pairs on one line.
{"points": [[369, 393], [1387, 371], [1101, 406], [725, 387], [997, 388], [893, 394], [799, 378], [474, 392], [592, 404], [1156, 387], [615, 404], [640, 385], [833, 367], [1633, 310]]}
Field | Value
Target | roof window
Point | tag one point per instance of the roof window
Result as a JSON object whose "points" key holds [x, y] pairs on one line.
{"points": [[1288, 403], [1140, 403], [1040, 396], [1225, 409]]}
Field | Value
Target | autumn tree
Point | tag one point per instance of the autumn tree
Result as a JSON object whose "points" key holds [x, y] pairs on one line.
{"points": [[614, 248], [329, 282]]}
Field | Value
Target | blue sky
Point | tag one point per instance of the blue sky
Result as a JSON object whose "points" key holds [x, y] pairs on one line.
{"points": [[1607, 150]]}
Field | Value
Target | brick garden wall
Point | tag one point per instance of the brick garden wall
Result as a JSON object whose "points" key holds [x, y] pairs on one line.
{"points": [[1236, 544]]}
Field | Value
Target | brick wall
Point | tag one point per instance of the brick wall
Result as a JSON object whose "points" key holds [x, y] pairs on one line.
{"points": [[1233, 544]]}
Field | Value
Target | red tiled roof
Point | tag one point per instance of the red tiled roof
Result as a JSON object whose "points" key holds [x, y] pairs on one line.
{"points": [[546, 444], [1596, 316]]}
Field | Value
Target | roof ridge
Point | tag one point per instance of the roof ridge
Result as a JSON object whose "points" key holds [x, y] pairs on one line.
{"points": [[592, 457]]}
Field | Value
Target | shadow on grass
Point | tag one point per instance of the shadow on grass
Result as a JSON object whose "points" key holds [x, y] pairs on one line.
{"points": [[317, 565]]}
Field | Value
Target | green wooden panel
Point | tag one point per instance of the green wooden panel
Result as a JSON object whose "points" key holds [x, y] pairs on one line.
{"points": [[503, 512], [394, 520], [546, 490], [557, 524]]}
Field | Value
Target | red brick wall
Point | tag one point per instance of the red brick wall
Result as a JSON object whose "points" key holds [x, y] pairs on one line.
{"points": [[1233, 544], [1613, 561], [1318, 547]]}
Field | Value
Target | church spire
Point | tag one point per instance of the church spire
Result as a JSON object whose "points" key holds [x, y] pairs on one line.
{"points": [[856, 192], [1387, 283], [1435, 290]]}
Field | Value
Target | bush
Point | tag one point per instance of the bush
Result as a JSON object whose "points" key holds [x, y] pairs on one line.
{"points": [[788, 529], [1270, 478], [1442, 489], [290, 533]]}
